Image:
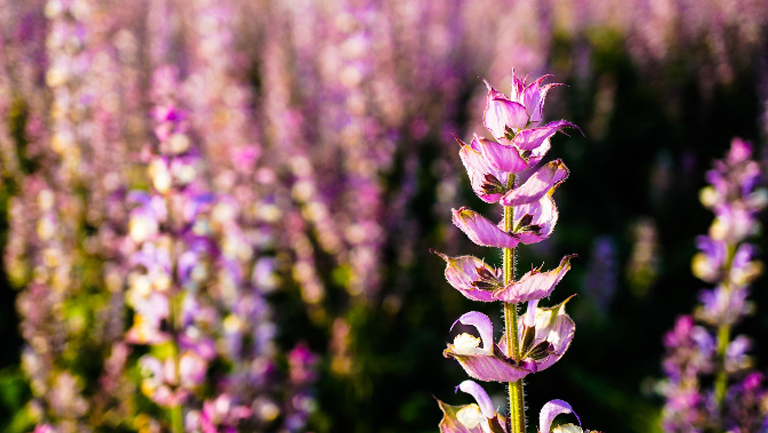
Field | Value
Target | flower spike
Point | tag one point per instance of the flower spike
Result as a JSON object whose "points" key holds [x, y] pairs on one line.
{"points": [[539, 338]]}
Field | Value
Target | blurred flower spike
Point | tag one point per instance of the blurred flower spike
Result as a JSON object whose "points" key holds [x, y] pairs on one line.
{"points": [[700, 348], [545, 335]]}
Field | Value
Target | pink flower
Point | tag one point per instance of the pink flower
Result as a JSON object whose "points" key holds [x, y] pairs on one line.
{"points": [[481, 231], [548, 177], [543, 341], [478, 281], [509, 118], [533, 222], [489, 176], [479, 417]]}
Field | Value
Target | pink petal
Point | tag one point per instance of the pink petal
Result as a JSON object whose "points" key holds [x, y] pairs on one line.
{"points": [[483, 325], [481, 231], [535, 221], [487, 182], [488, 368], [534, 96], [550, 411], [501, 157], [518, 89], [534, 156], [534, 284], [530, 139], [555, 327], [529, 319], [502, 113], [481, 397], [547, 177], [450, 422], [464, 274]]}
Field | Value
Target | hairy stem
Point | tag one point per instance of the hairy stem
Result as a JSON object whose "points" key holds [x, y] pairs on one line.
{"points": [[516, 392]]}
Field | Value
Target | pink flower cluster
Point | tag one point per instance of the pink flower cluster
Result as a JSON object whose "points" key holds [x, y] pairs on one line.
{"points": [[495, 167]]}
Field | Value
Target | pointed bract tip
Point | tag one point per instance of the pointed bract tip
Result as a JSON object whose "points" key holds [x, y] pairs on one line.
{"points": [[459, 140], [439, 254]]}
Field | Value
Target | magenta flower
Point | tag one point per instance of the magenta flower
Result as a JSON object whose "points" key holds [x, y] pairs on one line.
{"points": [[487, 363], [488, 181], [535, 142], [534, 284], [472, 277], [479, 417], [481, 231], [523, 108], [545, 335], [543, 341], [540, 183], [478, 281], [533, 222], [708, 263], [509, 119], [502, 115]]}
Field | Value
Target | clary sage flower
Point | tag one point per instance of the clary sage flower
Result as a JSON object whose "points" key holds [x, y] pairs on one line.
{"points": [[478, 417], [545, 335], [554, 408], [536, 340], [481, 282], [481, 416]]}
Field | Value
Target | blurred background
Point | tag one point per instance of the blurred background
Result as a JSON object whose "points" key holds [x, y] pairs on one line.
{"points": [[321, 135]]}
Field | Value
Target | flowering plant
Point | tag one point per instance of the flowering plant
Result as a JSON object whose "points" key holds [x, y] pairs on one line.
{"points": [[536, 340], [700, 345]]}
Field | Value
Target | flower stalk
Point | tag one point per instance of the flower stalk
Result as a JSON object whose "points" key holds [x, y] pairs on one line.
{"points": [[539, 339], [701, 348], [516, 391]]}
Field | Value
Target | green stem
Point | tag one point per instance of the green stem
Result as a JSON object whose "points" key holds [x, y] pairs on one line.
{"points": [[516, 392], [177, 411], [723, 337], [721, 379], [177, 419]]}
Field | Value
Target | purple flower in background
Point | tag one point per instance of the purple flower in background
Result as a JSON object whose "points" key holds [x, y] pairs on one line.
{"points": [[697, 354]]}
